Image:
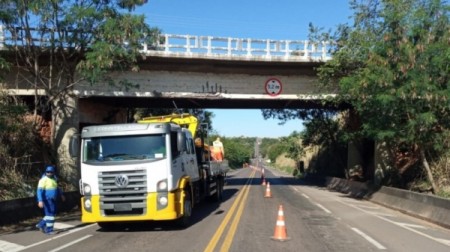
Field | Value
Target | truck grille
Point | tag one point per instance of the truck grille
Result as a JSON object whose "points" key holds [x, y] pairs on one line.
{"points": [[123, 192]]}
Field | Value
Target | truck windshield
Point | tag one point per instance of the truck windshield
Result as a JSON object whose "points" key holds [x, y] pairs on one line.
{"points": [[121, 148]]}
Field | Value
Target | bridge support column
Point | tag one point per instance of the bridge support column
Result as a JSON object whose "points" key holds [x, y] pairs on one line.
{"points": [[65, 117], [70, 114], [354, 161], [383, 163]]}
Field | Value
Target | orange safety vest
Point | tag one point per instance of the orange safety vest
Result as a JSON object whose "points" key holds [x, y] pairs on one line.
{"points": [[216, 153]]}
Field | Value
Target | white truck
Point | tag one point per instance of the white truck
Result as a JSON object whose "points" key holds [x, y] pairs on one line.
{"points": [[156, 169]]}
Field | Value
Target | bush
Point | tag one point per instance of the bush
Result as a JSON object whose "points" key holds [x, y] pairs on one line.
{"points": [[22, 150]]}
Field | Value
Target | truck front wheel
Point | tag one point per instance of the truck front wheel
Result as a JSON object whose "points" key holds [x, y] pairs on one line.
{"points": [[185, 220]]}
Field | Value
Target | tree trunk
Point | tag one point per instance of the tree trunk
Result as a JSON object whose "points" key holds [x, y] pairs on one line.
{"points": [[429, 173]]}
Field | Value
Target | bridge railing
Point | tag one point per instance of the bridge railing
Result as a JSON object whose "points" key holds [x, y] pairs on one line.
{"points": [[209, 46], [219, 47]]}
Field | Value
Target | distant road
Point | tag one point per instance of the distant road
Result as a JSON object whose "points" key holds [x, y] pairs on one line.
{"points": [[315, 220]]}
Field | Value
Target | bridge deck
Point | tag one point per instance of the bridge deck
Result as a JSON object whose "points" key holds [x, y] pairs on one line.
{"points": [[206, 47]]}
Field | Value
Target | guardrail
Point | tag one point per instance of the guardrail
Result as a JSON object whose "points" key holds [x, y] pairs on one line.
{"points": [[212, 47], [262, 49]]}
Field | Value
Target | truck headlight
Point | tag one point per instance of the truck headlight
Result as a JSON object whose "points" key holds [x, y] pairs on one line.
{"points": [[87, 189], [163, 201], [162, 185], [87, 204]]}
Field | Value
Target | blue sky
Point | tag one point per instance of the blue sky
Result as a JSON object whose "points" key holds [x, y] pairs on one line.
{"points": [[263, 19]]}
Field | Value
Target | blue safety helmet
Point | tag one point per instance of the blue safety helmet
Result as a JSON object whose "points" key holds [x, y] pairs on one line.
{"points": [[50, 168]]}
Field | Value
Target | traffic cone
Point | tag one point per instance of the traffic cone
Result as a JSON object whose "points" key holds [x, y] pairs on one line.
{"points": [[263, 180], [268, 193], [280, 228]]}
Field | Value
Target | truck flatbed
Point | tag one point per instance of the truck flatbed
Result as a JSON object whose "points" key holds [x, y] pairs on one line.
{"points": [[217, 167]]}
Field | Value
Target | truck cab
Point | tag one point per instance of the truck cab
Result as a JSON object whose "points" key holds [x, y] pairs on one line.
{"points": [[144, 171]]}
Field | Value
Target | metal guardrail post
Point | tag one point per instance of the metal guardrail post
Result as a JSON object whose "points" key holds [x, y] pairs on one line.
{"points": [[2, 37], [145, 47], [229, 47], [209, 47], [306, 49], [287, 49], [166, 43], [249, 47], [188, 44], [324, 50]]}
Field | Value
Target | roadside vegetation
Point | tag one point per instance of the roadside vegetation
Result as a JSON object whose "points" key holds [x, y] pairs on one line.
{"points": [[24, 148], [392, 67]]}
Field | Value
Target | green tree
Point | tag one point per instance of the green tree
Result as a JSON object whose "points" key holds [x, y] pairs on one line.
{"points": [[321, 128], [276, 150], [265, 145], [294, 145], [392, 65], [58, 44], [237, 150]]}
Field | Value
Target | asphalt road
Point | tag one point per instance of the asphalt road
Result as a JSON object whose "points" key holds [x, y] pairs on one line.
{"points": [[315, 219]]}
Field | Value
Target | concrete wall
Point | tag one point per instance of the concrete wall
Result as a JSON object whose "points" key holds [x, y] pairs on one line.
{"points": [[428, 207], [14, 211]]}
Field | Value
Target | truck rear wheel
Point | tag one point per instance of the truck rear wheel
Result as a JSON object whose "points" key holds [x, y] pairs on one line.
{"points": [[185, 220], [218, 195]]}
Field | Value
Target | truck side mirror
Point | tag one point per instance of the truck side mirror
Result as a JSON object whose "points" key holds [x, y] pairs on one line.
{"points": [[181, 141], [74, 146]]}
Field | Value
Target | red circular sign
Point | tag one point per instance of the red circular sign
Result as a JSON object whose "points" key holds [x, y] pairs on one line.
{"points": [[273, 87]]}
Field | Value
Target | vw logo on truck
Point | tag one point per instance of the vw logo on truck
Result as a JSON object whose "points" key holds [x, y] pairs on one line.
{"points": [[121, 181]]}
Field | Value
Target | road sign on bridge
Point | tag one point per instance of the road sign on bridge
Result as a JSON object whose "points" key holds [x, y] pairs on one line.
{"points": [[273, 87]]}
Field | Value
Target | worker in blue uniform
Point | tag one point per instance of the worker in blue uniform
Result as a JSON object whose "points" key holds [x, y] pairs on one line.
{"points": [[48, 194]]}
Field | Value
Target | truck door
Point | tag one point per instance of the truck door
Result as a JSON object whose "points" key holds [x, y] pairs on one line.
{"points": [[190, 159]]}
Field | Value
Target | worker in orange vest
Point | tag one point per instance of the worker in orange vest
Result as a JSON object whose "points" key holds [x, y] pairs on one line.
{"points": [[217, 151]]}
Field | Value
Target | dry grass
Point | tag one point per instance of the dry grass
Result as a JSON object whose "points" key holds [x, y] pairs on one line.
{"points": [[13, 185], [285, 164]]}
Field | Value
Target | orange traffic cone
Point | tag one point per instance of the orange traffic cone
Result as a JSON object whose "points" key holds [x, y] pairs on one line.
{"points": [[263, 180], [268, 193], [280, 228]]}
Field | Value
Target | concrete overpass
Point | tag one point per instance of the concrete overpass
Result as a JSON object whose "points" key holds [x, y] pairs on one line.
{"points": [[209, 72]]}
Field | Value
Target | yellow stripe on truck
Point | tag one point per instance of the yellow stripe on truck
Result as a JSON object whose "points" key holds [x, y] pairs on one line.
{"points": [[184, 182], [168, 213]]}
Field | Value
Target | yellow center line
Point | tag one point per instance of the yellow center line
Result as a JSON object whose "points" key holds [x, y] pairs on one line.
{"points": [[232, 231], [213, 242]]}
